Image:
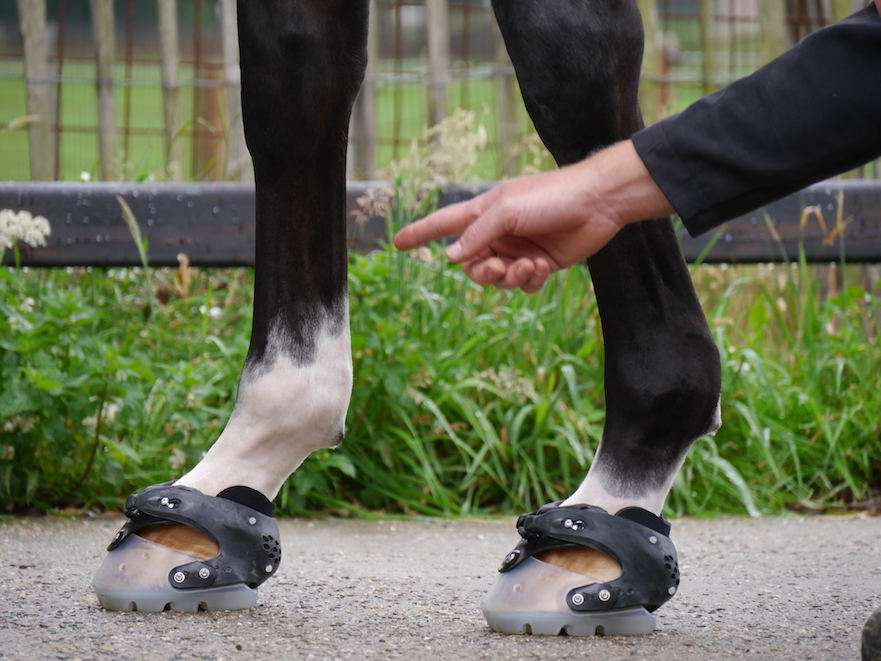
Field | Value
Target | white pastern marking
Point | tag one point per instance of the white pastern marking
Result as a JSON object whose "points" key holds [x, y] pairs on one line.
{"points": [[280, 417], [593, 492]]}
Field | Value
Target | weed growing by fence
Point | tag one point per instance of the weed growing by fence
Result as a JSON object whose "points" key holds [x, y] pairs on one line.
{"points": [[466, 400]]}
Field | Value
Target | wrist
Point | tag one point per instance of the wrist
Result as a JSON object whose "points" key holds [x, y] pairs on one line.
{"points": [[621, 186]]}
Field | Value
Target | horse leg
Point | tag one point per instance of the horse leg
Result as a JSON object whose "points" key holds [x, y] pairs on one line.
{"points": [[578, 66], [302, 64]]}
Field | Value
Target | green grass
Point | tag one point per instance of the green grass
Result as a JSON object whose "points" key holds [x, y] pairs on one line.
{"points": [[465, 400]]}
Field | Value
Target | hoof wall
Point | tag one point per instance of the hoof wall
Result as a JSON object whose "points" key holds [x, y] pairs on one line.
{"points": [[532, 599], [136, 577]]}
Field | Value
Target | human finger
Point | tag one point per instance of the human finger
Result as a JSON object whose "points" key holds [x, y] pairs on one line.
{"points": [[485, 271], [517, 274], [449, 221], [494, 223], [539, 278]]}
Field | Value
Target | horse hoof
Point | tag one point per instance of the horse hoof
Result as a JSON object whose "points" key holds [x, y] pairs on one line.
{"points": [[532, 598], [871, 643], [135, 577], [139, 574]]}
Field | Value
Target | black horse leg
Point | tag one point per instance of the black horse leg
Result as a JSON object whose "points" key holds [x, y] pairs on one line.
{"points": [[302, 65], [578, 65]]}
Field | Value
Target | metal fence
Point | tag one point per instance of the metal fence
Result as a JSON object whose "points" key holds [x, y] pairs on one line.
{"points": [[148, 89]]}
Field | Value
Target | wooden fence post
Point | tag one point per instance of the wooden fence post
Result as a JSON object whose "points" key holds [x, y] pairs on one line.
{"points": [[32, 18], [774, 33], [169, 57], [437, 22], [507, 93], [708, 44], [237, 157], [105, 43], [841, 9], [363, 143], [649, 86]]}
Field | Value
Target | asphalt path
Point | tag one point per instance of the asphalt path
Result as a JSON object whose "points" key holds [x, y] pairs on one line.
{"points": [[778, 588]]}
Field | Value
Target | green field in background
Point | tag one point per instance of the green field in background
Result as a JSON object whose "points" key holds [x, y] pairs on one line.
{"points": [[79, 149]]}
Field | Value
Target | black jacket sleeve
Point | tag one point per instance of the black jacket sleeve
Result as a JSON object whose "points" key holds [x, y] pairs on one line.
{"points": [[812, 113]]}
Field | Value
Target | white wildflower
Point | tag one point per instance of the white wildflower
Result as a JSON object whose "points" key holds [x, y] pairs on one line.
{"points": [[17, 324], [108, 415], [27, 305], [85, 177], [22, 226], [18, 423], [215, 312], [177, 459], [110, 412]]}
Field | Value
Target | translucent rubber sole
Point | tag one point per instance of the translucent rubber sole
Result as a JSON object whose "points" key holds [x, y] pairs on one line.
{"points": [[134, 577], [532, 599]]}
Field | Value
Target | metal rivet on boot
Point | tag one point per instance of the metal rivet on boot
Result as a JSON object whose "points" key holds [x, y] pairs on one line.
{"points": [[671, 591], [578, 599], [268, 568], [653, 540], [604, 595], [179, 577], [204, 572], [567, 523], [252, 521]]}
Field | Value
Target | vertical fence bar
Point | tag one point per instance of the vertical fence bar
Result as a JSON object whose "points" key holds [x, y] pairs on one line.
{"points": [[129, 56], [465, 54], [197, 95], [773, 19], [707, 22], [237, 159], [105, 44], [649, 87], [59, 69], [363, 143], [169, 57], [437, 19], [506, 106], [398, 98], [841, 9], [32, 18]]}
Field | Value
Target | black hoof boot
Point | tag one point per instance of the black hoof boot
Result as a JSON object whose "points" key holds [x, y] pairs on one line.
{"points": [[871, 645]]}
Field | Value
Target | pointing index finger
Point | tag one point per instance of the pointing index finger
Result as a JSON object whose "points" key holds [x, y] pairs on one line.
{"points": [[449, 221]]}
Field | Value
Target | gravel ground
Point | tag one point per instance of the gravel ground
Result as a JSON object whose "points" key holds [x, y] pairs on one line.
{"points": [[787, 588]]}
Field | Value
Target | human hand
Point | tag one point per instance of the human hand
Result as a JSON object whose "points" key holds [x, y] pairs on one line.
{"points": [[517, 234]]}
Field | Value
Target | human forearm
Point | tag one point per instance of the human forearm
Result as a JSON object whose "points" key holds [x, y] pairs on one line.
{"points": [[811, 114]]}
